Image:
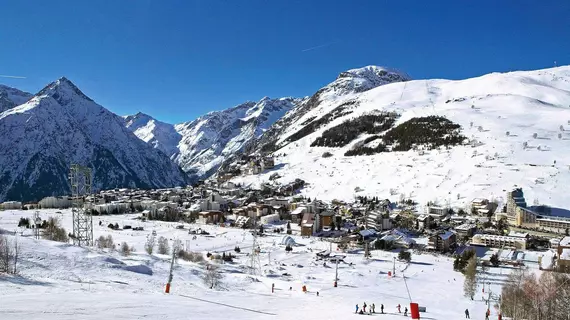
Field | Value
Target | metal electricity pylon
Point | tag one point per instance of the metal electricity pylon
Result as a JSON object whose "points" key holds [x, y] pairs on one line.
{"points": [[81, 181]]}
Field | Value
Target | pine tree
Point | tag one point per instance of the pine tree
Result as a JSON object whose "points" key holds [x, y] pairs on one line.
{"points": [[470, 284]]}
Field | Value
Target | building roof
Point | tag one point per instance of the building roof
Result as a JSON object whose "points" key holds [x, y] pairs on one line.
{"points": [[207, 213], [422, 217], [518, 234], [446, 235], [368, 233], [327, 214], [308, 218], [299, 210], [465, 227], [390, 238]]}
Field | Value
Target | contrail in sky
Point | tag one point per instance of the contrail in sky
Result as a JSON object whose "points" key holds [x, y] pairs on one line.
{"points": [[320, 46], [13, 77]]}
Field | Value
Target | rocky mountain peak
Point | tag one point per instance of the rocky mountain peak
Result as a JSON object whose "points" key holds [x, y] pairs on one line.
{"points": [[376, 73], [365, 78], [63, 91]]}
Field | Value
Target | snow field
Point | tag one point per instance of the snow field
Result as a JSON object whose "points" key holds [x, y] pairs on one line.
{"points": [[61, 281]]}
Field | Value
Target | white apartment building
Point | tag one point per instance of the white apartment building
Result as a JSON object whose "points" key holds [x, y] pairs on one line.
{"points": [[495, 241]]}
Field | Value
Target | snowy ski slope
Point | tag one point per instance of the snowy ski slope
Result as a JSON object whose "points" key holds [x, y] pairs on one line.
{"points": [[60, 281], [521, 103]]}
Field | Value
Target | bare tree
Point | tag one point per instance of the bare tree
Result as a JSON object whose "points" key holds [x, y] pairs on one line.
{"points": [[101, 241], [54, 231], [9, 255], [110, 243], [163, 247], [150, 243], [15, 255], [525, 296], [125, 249], [5, 254], [212, 276], [105, 242]]}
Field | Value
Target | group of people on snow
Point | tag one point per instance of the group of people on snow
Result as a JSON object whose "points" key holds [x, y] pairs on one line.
{"points": [[372, 309]]}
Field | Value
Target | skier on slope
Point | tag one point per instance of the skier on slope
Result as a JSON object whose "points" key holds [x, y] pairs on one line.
{"points": [[356, 311], [406, 311], [467, 314], [382, 308], [364, 306], [399, 308], [373, 308]]}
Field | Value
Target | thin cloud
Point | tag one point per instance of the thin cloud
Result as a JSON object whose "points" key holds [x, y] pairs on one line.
{"points": [[13, 77], [319, 46]]}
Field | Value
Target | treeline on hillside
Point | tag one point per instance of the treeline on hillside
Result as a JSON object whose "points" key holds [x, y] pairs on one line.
{"points": [[316, 124], [344, 133], [430, 132]]}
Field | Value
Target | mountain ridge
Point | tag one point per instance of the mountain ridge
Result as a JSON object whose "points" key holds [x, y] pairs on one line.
{"points": [[11, 97], [515, 126], [205, 142], [60, 125]]}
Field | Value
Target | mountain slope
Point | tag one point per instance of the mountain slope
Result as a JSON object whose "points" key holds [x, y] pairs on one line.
{"points": [[60, 126], [516, 125], [200, 146], [160, 135], [347, 85], [11, 97]]}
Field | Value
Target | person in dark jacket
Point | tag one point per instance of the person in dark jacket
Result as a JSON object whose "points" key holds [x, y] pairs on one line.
{"points": [[467, 314], [381, 308], [406, 311], [373, 308]]}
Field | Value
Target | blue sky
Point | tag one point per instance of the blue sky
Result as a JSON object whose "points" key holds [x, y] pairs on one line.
{"points": [[177, 60]]}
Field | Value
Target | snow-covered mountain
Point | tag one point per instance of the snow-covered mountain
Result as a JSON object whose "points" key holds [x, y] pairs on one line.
{"points": [[430, 140], [346, 85], [160, 135], [11, 97], [60, 126], [200, 146]]}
